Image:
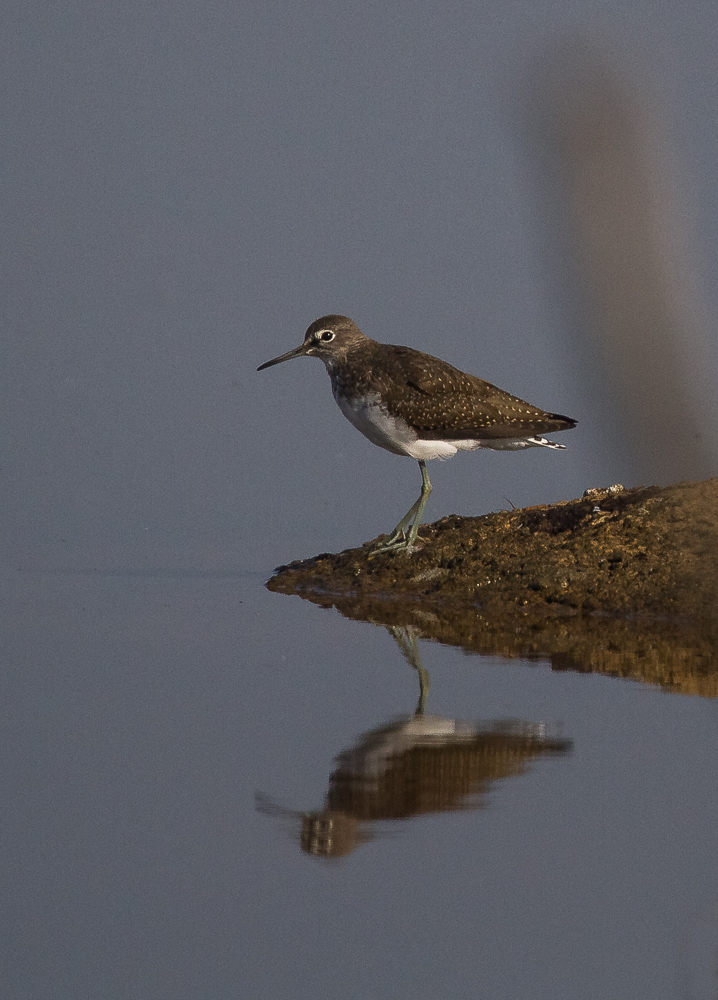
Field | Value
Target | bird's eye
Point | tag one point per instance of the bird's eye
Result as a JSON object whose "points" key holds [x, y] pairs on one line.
{"points": [[326, 336]]}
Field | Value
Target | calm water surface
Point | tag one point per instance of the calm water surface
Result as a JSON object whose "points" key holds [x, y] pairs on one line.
{"points": [[213, 791]]}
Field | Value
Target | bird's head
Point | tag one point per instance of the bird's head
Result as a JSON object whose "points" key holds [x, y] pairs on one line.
{"points": [[330, 338]]}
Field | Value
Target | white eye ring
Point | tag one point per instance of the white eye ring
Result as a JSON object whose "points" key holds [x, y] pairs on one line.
{"points": [[325, 335]]}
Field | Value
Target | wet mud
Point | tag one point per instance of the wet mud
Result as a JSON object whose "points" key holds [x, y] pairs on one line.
{"points": [[621, 582]]}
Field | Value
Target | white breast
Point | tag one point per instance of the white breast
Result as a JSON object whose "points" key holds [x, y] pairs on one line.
{"points": [[368, 415], [392, 433]]}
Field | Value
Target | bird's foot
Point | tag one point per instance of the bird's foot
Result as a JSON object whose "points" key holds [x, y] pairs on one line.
{"points": [[397, 543], [401, 546], [390, 546]]}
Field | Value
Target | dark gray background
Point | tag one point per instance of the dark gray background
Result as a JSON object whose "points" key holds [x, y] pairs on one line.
{"points": [[185, 188]]}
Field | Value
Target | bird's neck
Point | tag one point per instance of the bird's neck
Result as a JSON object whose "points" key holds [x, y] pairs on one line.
{"points": [[353, 372]]}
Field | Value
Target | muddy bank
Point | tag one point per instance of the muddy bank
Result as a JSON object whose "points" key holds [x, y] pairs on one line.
{"points": [[623, 582]]}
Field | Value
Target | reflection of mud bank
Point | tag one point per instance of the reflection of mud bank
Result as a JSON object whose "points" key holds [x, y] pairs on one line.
{"points": [[622, 583]]}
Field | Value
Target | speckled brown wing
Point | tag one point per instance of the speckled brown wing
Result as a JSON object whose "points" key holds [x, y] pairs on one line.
{"points": [[440, 401]]}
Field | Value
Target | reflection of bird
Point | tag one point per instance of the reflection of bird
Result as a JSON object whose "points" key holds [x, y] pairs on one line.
{"points": [[413, 404], [415, 765]]}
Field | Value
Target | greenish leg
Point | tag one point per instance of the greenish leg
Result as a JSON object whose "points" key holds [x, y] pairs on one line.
{"points": [[399, 540], [405, 638]]}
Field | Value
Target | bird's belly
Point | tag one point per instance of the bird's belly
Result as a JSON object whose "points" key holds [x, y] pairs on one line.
{"points": [[393, 434], [371, 418]]}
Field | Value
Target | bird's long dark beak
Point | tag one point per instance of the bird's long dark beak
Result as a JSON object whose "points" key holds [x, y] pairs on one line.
{"points": [[298, 352]]}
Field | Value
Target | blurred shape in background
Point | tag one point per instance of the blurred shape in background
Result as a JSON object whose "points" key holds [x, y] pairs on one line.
{"points": [[610, 186]]}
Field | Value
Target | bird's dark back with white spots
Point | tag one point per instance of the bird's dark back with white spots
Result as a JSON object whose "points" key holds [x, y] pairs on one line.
{"points": [[437, 399]]}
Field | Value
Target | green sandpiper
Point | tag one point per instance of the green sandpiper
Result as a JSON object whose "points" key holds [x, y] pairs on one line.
{"points": [[413, 404]]}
